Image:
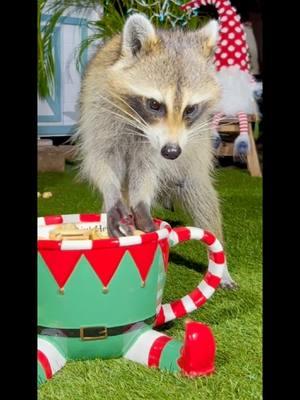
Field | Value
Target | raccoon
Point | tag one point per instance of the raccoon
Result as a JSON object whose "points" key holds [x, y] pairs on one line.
{"points": [[146, 107]]}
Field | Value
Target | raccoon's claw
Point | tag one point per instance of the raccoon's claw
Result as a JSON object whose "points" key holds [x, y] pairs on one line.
{"points": [[119, 221], [227, 282], [229, 285], [142, 218]]}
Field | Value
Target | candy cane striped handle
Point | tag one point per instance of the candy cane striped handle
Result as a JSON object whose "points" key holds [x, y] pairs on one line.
{"points": [[207, 286]]}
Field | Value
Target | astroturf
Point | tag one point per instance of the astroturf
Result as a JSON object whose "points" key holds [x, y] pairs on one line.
{"points": [[234, 316]]}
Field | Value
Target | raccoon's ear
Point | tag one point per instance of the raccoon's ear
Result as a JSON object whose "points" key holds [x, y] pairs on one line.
{"points": [[137, 33], [209, 35]]}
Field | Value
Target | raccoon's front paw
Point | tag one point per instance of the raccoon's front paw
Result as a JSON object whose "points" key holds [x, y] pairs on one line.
{"points": [[142, 218], [119, 221], [228, 283]]}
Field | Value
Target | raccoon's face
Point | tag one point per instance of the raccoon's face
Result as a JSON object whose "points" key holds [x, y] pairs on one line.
{"points": [[168, 82]]}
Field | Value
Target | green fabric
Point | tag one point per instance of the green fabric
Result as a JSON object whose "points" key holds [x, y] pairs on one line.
{"points": [[77, 349], [41, 376], [170, 355]]}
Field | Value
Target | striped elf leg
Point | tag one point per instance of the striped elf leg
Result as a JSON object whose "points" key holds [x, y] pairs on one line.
{"points": [[50, 360], [194, 357], [242, 144], [216, 137]]}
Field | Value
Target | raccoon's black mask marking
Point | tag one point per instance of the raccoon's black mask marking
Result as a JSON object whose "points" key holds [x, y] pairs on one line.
{"points": [[192, 117], [140, 105]]}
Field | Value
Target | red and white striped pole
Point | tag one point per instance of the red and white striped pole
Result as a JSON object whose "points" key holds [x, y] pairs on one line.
{"points": [[207, 286]]}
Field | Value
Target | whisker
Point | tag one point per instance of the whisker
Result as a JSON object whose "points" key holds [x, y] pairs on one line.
{"points": [[127, 120], [124, 111], [128, 105], [198, 129]]}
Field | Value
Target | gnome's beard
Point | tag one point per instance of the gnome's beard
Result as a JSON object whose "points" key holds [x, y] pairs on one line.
{"points": [[237, 92]]}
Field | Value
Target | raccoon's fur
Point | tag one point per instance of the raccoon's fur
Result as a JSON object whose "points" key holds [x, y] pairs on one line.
{"points": [[146, 105]]}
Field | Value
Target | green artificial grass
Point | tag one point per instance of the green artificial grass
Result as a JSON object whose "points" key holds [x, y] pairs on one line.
{"points": [[234, 316]]}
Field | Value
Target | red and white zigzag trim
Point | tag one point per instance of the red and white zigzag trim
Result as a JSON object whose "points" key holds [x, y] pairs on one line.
{"points": [[161, 233], [178, 308]]}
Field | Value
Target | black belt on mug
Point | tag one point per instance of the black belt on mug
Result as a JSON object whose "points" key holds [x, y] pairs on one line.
{"points": [[94, 332]]}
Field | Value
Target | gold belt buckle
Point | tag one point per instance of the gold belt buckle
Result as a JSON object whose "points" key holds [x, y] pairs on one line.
{"points": [[102, 333]]}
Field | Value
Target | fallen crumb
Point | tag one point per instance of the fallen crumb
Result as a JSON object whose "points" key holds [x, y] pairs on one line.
{"points": [[96, 234], [66, 227], [46, 195], [138, 232]]}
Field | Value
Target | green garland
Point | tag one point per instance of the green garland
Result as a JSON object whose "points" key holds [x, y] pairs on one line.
{"points": [[162, 13]]}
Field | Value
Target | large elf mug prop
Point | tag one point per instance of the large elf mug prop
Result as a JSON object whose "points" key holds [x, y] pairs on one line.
{"points": [[101, 298]]}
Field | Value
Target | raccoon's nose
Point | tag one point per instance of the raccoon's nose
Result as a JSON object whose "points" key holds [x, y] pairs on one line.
{"points": [[171, 151]]}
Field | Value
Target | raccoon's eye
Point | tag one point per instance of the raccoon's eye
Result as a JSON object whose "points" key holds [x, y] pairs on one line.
{"points": [[189, 110], [154, 105]]}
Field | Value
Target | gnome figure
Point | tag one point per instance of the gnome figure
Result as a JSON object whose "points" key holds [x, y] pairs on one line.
{"points": [[233, 72]]}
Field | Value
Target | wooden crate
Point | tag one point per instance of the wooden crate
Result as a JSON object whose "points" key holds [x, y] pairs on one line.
{"points": [[230, 128], [50, 159]]}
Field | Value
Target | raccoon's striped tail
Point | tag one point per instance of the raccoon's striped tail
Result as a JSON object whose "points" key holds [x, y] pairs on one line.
{"points": [[50, 360]]}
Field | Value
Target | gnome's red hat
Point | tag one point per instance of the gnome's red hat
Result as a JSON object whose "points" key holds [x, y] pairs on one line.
{"points": [[232, 48]]}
